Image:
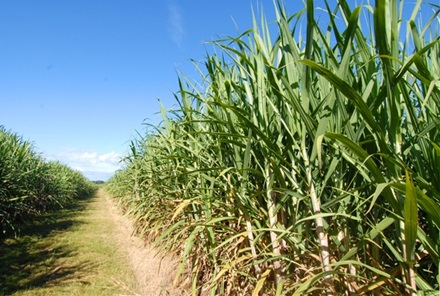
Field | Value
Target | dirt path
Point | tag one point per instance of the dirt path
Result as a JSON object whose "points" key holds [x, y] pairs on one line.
{"points": [[154, 273], [87, 249]]}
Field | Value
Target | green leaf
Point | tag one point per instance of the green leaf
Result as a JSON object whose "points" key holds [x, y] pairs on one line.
{"points": [[366, 159], [379, 188], [426, 203], [410, 218], [348, 91]]}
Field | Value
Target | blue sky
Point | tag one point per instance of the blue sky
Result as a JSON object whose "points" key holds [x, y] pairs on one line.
{"points": [[79, 77]]}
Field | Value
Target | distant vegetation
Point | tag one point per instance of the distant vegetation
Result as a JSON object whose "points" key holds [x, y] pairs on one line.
{"points": [[305, 162], [30, 185], [98, 182]]}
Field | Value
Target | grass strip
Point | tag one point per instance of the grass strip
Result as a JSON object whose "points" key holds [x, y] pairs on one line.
{"points": [[67, 252]]}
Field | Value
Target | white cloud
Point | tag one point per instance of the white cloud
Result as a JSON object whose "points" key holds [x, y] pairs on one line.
{"points": [[111, 157], [176, 26], [94, 165]]}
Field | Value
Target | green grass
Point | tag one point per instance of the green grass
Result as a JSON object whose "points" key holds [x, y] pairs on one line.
{"points": [[67, 252]]}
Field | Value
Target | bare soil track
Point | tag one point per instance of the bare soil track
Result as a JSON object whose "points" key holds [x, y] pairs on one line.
{"points": [[154, 273], [88, 249]]}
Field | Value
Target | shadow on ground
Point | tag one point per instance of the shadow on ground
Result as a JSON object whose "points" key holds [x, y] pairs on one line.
{"points": [[34, 258]]}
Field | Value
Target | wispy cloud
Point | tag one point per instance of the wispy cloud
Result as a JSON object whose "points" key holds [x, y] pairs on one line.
{"points": [[176, 25], [94, 165]]}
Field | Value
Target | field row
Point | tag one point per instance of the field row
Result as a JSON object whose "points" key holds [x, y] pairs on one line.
{"points": [[30, 185], [301, 162]]}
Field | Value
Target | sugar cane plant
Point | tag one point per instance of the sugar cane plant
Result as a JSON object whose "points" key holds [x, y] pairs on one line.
{"points": [[301, 163], [30, 185]]}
